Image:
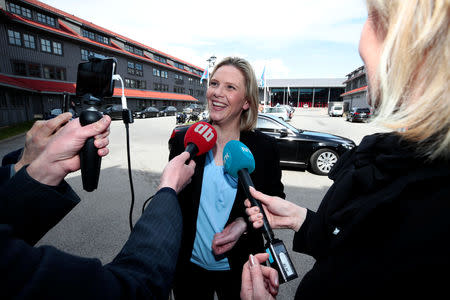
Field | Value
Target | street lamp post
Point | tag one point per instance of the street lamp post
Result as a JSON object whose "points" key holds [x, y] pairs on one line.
{"points": [[211, 61]]}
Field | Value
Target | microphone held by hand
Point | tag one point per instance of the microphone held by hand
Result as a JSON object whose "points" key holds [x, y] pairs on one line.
{"points": [[238, 161], [199, 139]]}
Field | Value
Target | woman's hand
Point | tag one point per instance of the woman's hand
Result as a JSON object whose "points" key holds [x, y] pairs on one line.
{"points": [[258, 282], [224, 241], [280, 213]]}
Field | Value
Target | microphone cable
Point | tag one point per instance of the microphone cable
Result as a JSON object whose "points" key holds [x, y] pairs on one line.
{"points": [[127, 118]]}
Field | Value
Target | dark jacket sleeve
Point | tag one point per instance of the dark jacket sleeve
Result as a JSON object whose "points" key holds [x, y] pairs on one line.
{"points": [[8, 162], [143, 269], [5, 174], [31, 208], [12, 157], [301, 236]]}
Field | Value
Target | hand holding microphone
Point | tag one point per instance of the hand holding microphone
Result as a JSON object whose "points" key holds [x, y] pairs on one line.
{"points": [[279, 212], [239, 162], [199, 139]]}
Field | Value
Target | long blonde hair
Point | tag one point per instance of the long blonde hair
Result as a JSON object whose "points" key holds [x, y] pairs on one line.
{"points": [[249, 116], [412, 79]]}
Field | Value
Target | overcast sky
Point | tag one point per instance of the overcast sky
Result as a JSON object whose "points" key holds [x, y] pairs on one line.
{"points": [[293, 39]]}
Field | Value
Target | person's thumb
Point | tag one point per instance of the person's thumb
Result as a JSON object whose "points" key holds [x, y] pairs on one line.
{"points": [[259, 196], [96, 128], [256, 277]]}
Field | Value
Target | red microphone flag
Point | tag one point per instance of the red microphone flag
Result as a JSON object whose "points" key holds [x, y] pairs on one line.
{"points": [[201, 134]]}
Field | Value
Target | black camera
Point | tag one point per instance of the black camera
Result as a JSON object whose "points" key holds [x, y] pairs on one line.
{"points": [[95, 77], [94, 82]]}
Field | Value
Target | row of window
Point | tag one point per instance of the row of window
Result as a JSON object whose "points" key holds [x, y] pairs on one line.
{"points": [[135, 84], [160, 87], [160, 73], [178, 89], [356, 83], [48, 20], [160, 59], [135, 69], [95, 36], [85, 54], [134, 50], [179, 66], [34, 70], [27, 13], [20, 39]]}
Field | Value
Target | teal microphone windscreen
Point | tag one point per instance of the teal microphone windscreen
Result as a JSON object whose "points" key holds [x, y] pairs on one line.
{"points": [[237, 156]]}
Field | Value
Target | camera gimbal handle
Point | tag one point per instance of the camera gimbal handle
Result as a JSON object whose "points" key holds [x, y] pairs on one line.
{"points": [[89, 158]]}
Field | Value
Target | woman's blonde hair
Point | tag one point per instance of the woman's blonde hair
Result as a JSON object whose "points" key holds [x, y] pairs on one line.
{"points": [[249, 116], [411, 89]]}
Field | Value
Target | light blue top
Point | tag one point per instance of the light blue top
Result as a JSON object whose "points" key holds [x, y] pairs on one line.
{"points": [[216, 200]]}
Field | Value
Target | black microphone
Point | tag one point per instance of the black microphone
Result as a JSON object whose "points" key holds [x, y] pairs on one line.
{"points": [[238, 161], [89, 159]]}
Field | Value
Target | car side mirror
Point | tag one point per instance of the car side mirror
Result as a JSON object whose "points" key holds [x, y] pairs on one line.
{"points": [[283, 132]]}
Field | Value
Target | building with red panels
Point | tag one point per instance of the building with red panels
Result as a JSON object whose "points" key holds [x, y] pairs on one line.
{"points": [[355, 89], [42, 47]]}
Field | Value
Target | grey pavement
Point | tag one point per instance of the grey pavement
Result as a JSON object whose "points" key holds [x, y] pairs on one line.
{"points": [[98, 226]]}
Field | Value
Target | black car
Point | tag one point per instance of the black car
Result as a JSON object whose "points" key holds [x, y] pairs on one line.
{"points": [[193, 108], [57, 111], [148, 112], [167, 111], [318, 151], [114, 111], [360, 114]]}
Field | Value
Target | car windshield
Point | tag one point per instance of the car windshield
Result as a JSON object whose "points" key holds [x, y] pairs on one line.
{"points": [[363, 110], [337, 108]]}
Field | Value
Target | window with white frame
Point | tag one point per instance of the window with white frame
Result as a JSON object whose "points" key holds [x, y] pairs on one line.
{"points": [[19, 10], [46, 46], [14, 37], [28, 41]]}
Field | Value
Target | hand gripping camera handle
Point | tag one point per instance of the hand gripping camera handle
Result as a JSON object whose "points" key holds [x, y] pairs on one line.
{"points": [[89, 158]]}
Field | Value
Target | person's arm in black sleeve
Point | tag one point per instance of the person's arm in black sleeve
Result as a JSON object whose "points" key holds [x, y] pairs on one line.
{"points": [[31, 208], [153, 246], [300, 241], [144, 268]]}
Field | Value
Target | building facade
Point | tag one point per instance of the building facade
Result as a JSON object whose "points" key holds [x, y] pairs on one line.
{"points": [[42, 47], [355, 89], [302, 92]]}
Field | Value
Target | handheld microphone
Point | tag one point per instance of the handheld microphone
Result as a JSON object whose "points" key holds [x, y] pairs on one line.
{"points": [[89, 159], [199, 139], [238, 161]]}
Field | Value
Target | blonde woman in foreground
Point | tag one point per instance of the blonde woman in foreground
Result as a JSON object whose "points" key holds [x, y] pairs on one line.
{"points": [[382, 229]]}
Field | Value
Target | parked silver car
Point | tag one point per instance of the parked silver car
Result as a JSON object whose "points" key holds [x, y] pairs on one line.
{"points": [[278, 111]]}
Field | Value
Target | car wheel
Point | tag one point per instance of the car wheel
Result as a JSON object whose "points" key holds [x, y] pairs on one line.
{"points": [[322, 160], [143, 116]]}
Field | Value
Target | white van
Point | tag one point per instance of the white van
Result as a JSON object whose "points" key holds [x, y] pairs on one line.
{"points": [[336, 110]]}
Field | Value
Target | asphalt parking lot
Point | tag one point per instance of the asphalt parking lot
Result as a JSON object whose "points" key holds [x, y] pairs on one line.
{"points": [[98, 226]]}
